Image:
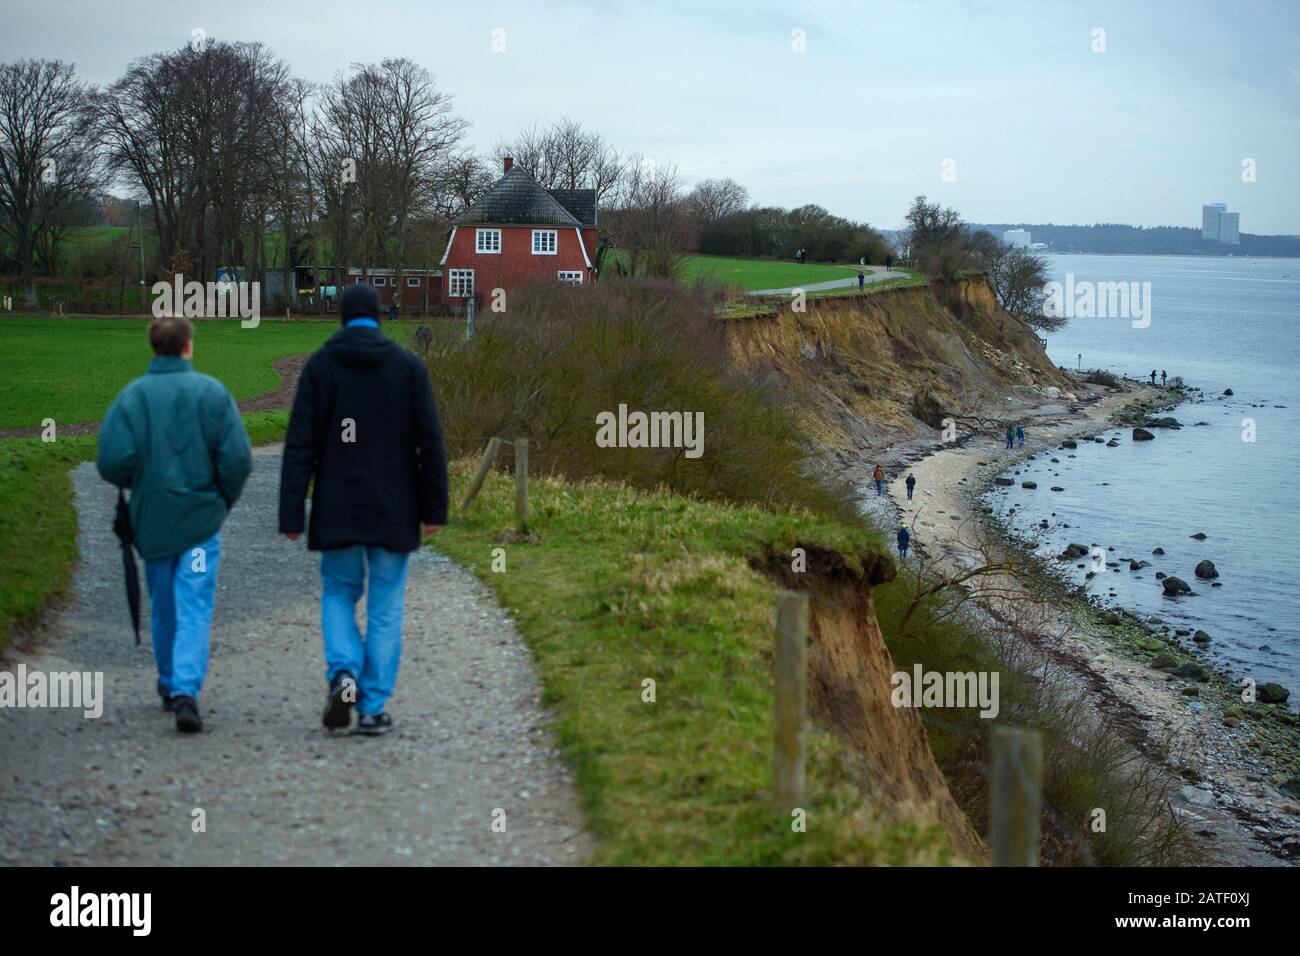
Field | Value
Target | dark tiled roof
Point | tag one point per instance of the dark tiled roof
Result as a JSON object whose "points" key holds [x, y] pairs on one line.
{"points": [[580, 202], [516, 200]]}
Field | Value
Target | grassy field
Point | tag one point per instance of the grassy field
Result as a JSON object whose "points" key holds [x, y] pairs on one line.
{"points": [[616, 586], [750, 275], [70, 369]]}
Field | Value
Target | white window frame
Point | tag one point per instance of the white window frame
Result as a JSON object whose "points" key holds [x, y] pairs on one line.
{"points": [[378, 281], [487, 242], [572, 276], [413, 282], [460, 283], [539, 248]]}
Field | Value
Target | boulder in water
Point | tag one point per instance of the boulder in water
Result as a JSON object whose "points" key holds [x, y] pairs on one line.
{"points": [[1206, 570], [1158, 551], [1200, 637], [1200, 536], [1073, 551], [1029, 484], [1006, 482], [1141, 434], [1175, 586], [1227, 391]]}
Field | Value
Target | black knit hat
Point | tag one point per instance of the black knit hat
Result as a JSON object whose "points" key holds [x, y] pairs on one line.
{"points": [[359, 301]]}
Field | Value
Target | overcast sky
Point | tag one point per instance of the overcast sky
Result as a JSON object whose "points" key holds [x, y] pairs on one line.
{"points": [[1040, 127]]}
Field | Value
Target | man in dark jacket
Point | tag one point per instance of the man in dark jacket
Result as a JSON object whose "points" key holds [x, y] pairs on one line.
{"points": [[365, 428], [175, 438]]}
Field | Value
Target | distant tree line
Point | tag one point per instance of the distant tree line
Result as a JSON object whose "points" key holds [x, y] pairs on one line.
{"points": [[1117, 238], [725, 224]]}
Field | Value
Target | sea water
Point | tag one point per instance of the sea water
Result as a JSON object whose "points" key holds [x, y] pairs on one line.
{"points": [[1218, 323]]}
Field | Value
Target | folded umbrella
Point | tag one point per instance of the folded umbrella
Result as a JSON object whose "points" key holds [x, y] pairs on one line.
{"points": [[122, 528]]}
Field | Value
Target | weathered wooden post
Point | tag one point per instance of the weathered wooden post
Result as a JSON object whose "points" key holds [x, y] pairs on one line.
{"points": [[521, 485], [1016, 796], [791, 698], [484, 466]]}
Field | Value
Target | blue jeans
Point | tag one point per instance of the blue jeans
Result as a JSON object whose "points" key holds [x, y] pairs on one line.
{"points": [[181, 591], [374, 660], [880, 487]]}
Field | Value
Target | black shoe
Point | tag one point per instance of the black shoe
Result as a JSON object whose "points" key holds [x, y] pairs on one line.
{"points": [[372, 725], [187, 715], [343, 694], [169, 703]]}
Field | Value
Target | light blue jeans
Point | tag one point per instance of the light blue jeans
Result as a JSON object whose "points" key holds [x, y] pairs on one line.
{"points": [[181, 591], [374, 660]]}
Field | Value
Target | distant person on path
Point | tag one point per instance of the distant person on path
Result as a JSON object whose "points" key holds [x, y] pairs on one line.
{"points": [[365, 430], [862, 281], [903, 539], [1020, 436], [911, 485], [175, 439], [878, 476], [1164, 379], [1153, 376], [889, 263], [1011, 436]]}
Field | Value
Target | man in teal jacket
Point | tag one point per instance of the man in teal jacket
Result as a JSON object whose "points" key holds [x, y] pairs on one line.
{"points": [[176, 440]]}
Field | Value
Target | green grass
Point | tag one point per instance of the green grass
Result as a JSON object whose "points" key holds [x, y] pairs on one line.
{"points": [[615, 586], [38, 525], [71, 369], [750, 275]]}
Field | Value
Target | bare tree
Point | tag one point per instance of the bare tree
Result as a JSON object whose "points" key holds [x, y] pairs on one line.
{"points": [[713, 200], [650, 220], [1018, 277], [419, 136], [47, 159], [564, 155]]}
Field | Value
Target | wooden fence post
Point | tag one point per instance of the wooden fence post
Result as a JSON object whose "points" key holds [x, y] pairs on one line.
{"points": [[791, 698], [484, 466], [521, 485], [1016, 796]]}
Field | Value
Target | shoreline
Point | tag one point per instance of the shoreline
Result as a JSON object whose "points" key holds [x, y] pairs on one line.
{"points": [[1228, 797]]}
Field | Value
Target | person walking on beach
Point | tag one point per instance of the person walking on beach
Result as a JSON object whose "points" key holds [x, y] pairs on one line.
{"points": [[1020, 436], [1011, 435], [175, 438], [364, 432], [911, 485], [1153, 376], [1164, 379], [903, 539], [878, 476]]}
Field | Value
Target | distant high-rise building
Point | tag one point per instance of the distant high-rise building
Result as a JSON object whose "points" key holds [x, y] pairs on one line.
{"points": [[1219, 225], [1229, 232], [1016, 237]]}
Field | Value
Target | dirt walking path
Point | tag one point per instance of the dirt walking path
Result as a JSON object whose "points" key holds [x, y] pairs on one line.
{"points": [[470, 744]]}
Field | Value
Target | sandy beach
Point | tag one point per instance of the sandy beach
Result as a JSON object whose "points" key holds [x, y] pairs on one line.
{"points": [[1223, 791]]}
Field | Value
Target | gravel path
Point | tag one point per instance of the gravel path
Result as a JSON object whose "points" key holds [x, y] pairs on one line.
{"points": [[874, 274], [276, 787]]}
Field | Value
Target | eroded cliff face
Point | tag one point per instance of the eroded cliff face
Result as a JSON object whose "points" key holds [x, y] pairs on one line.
{"points": [[849, 688], [860, 371]]}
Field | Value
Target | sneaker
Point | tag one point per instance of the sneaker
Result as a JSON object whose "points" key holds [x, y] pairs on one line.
{"points": [[372, 725], [343, 694], [187, 715]]}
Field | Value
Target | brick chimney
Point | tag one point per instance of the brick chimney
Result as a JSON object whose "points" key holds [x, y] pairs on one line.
{"points": [[509, 162]]}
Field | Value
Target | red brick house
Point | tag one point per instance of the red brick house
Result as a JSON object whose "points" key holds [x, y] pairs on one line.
{"points": [[518, 232]]}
